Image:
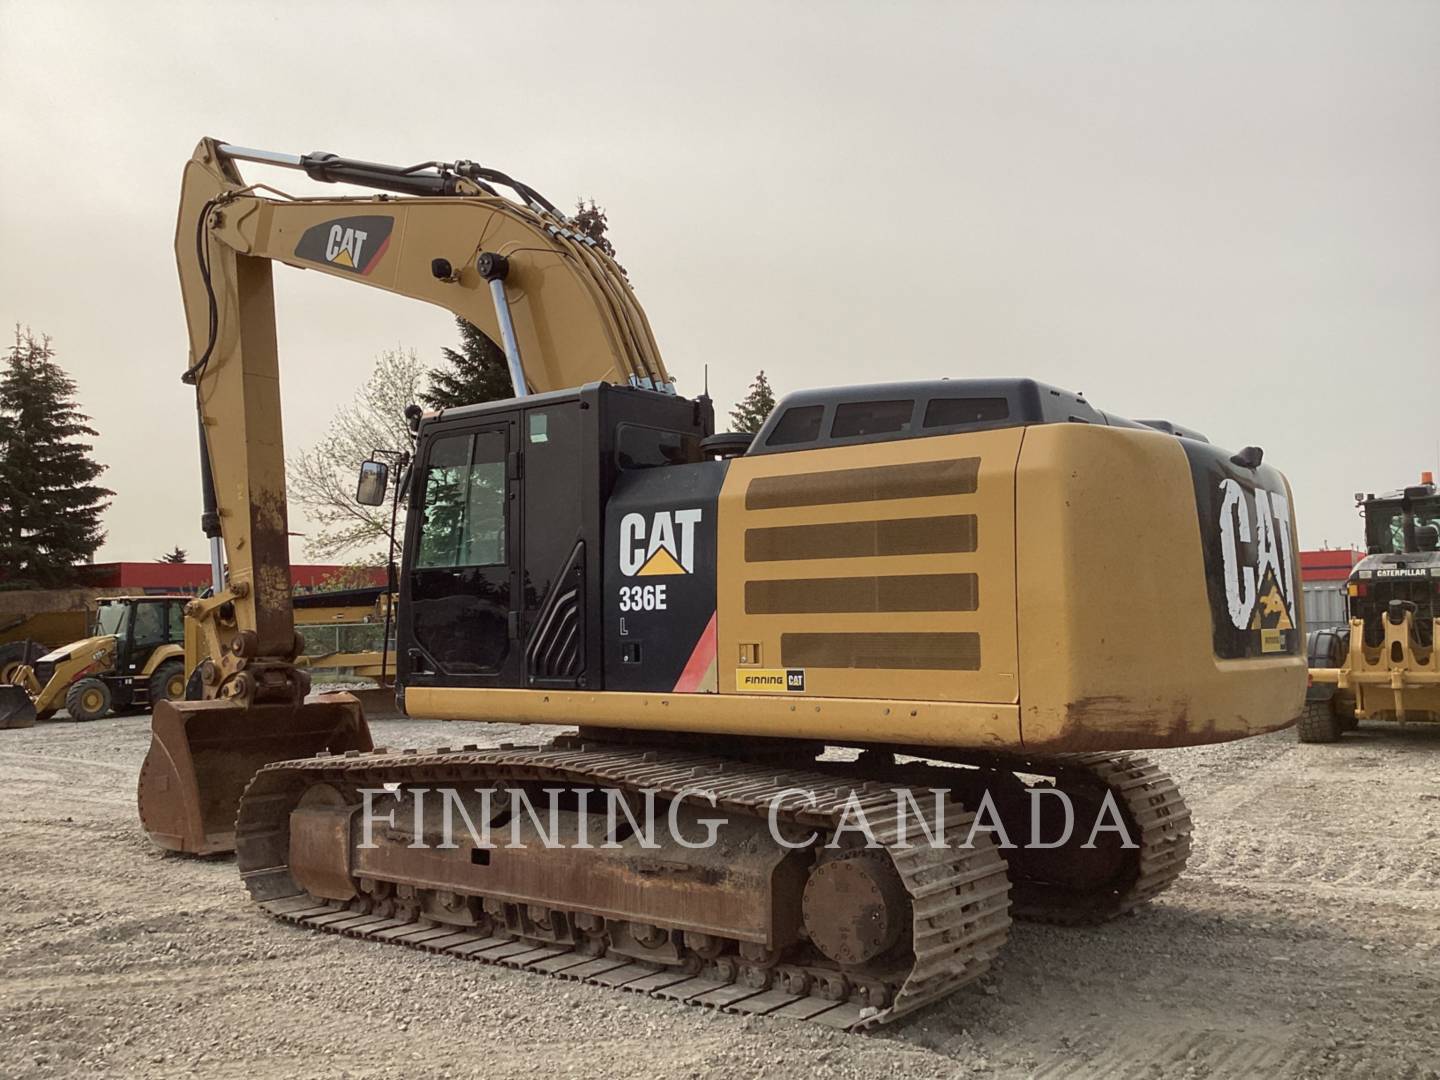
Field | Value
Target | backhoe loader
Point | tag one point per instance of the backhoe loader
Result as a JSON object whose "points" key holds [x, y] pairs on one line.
{"points": [[989, 575], [134, 659], [140, 653]]}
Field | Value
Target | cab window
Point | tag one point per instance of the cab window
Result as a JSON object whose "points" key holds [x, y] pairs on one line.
{"points": [[175, 626], [857, 418], [149, 624], [464, 522], [112, 619], [639, 447], [957, 412], [800, 424]]}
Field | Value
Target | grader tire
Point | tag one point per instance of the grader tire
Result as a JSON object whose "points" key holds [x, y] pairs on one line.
{"points": [[1318, 723], [88, 699]]}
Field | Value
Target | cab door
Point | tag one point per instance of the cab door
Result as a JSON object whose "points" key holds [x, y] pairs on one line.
{"points": [[456, 616]]}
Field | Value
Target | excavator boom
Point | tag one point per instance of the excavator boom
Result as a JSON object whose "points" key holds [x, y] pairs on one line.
{"points": [[441, 233]]}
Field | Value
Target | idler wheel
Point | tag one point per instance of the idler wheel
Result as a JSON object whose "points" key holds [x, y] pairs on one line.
{"points": [[855, 907]]}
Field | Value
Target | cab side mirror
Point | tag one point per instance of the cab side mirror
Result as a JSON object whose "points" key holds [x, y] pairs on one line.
{"points": [[374, 478]]}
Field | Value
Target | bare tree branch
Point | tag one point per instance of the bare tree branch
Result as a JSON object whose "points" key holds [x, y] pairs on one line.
{"points": [[322, 479]]}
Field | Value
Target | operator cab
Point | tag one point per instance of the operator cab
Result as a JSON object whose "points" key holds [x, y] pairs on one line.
{"points": [[140, 625], [503, 567], [1401, 572]]}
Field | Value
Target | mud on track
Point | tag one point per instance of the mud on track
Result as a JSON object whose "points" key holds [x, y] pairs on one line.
{"points": [[1304, 941]]}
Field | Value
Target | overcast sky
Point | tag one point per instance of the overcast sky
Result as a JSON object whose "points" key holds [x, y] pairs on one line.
{"points": [[1223, 214]]}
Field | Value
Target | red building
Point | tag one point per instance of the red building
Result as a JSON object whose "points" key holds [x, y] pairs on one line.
{"points": [[155, 577], [1333, 564]]}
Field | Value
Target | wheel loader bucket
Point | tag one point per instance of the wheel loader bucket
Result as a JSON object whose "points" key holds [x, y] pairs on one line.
{"points": [[204, 753], [16, 708]]}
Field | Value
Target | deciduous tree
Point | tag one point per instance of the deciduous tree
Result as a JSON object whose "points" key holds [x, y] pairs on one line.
{"points": [[322, 479]]}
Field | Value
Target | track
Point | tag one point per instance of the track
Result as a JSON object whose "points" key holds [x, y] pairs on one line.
{"points": [[1070, 887], [1153, 806], [957, 895]]}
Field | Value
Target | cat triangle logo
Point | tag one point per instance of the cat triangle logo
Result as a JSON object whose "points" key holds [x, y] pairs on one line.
{"points": [[343, 259], [658, 544], [662, 562]]}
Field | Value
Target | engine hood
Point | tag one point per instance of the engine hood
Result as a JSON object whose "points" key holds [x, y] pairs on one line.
{"points": [[1398, 565], [103, 643]]}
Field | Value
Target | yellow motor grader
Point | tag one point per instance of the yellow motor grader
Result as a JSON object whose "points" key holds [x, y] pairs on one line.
{"points": [[134, 659], [991, 575]]}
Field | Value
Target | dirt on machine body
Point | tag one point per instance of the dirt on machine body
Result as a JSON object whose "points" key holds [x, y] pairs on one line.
{"points": [[993, 575], [1383, 665]]}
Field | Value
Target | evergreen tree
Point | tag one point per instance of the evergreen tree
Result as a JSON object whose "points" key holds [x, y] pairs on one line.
{"points": [[477, 371], [750, 414], [50, 506], [174, 557]]}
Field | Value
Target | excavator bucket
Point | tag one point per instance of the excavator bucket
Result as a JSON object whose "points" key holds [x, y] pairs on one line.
{"points": [[204, 753], [16, 708], [378, 703]]}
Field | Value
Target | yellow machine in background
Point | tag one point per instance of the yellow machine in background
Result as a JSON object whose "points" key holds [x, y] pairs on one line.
{"points": [[35, 621], [1384, 664], [342, 633], [991, 574], [134, 659]]}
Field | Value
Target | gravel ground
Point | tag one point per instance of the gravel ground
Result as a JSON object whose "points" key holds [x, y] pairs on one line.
{"points": [[1304, 941]]}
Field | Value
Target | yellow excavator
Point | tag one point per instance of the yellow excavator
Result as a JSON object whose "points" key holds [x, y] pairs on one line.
{"points": [[972, 593]]}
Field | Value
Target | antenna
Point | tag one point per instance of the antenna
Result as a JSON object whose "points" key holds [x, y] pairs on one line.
{"points": [[706, 390]]}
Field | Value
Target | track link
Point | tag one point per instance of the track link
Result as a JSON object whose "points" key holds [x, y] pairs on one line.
{"points": [[957, 895]]}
